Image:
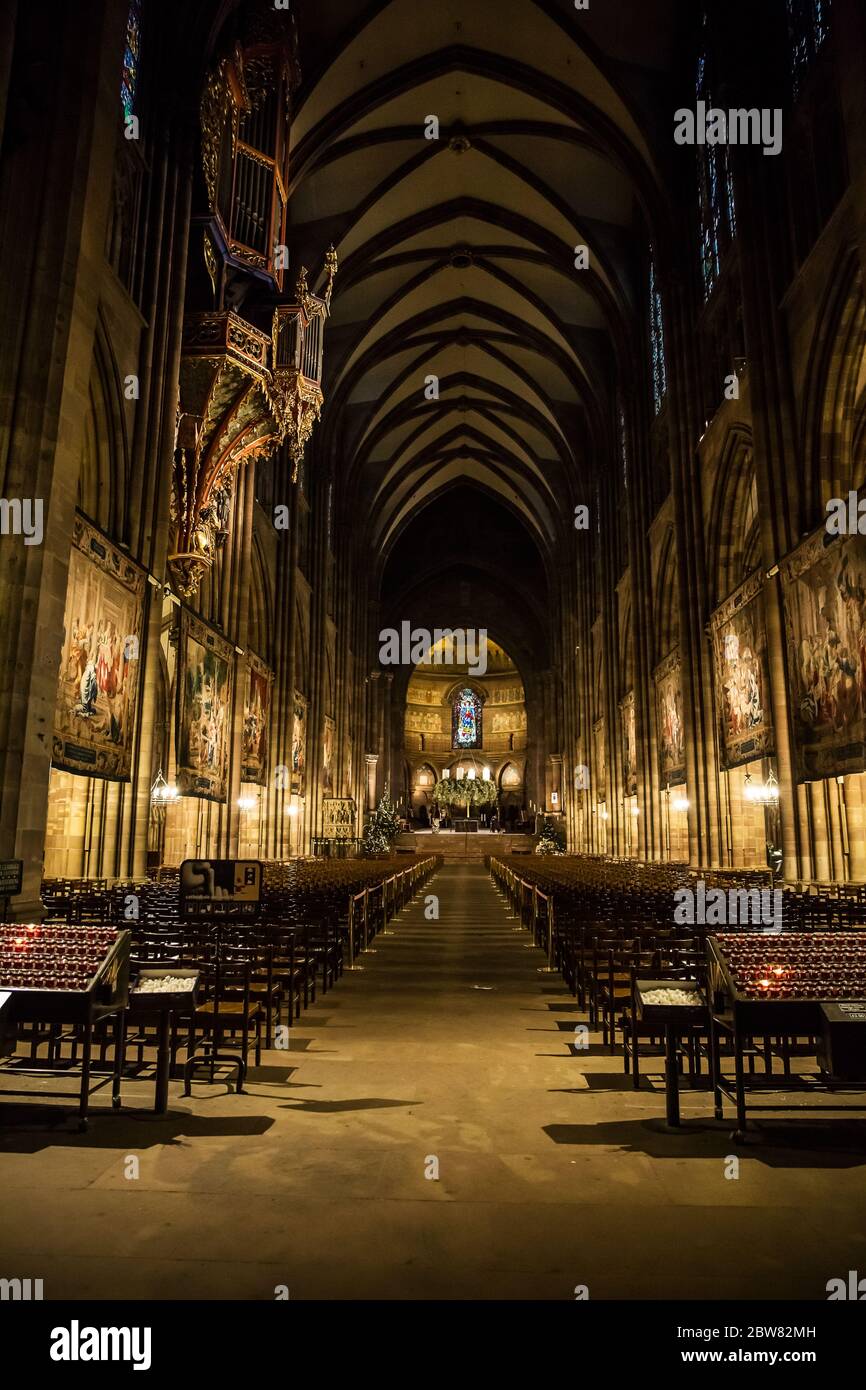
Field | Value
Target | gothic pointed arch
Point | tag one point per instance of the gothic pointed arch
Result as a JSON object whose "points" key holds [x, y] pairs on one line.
{"points": [[104, 470], [835, 383]]}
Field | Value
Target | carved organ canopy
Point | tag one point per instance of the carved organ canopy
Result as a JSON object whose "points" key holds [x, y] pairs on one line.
{"points": [[242, 394]]}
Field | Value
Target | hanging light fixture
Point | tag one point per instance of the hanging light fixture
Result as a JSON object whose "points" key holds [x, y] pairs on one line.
{"points": [[761, 793], [161, 793]]}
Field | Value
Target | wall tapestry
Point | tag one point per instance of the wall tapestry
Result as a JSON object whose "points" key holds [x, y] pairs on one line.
{"points": [[824, 588], [600, 759], [204, 709], [257, 718], [97, 693], [328, 734], [669, 719], [299, 743], [629, 746], [739, 634], [348, 769]]}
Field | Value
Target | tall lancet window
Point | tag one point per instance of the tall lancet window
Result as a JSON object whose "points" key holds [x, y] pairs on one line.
{"points": [[657, 340], [718, 221], [131, 58], [466, 720], [808, 27]]}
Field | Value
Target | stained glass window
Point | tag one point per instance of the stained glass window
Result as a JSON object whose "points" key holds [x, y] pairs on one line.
{"points": [[808, 27], [718, 216], [466, 721], [657, 340], [131, 58]]}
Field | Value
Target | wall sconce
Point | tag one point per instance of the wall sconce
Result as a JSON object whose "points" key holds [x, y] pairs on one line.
{"points": [[680, 803], [247, 803]]}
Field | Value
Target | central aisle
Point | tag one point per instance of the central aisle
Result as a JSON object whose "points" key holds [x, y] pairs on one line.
{"points": [[447, 1049]]}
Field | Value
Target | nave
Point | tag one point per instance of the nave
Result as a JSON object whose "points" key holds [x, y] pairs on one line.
{"points": [[450, 1044], [432, 441]]}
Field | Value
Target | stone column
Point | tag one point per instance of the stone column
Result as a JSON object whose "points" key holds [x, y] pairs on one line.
{"points": [[555, 781], [820, 837], [854, 813], [370, 763], [55, 187]]}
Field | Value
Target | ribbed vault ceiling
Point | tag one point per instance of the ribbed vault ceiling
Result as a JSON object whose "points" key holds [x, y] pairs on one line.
{"points": [[457, 254]]}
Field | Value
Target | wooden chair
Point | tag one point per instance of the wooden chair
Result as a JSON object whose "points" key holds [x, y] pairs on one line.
{"points": [[226, 1011]]}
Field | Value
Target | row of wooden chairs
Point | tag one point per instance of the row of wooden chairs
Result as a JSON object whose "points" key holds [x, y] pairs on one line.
{"points": [[254, 977], [601, 961]]}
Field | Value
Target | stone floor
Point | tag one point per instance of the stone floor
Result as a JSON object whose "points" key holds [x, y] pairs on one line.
{"points": [[448, 1050]]}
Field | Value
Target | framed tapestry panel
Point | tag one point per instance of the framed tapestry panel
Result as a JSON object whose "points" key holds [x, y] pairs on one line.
{"points": [[299, 743], [739, 636], [629, 745], [204, 709], [257, 720], [669, 721], [824, 588], [97, 692]]}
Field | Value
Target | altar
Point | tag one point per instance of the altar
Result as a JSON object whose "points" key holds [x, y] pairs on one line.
{"points": [[466, 827]]}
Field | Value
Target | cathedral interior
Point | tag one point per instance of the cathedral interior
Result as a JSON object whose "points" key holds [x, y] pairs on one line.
{"points": [[443, 428]]}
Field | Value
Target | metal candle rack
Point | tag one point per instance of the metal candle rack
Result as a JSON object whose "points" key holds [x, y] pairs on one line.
{"points": [[785, 986], [105, 992]]}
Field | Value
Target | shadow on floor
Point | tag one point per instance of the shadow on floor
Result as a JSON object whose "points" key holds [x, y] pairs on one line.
{"points": [[112, 1130], [602, 1081], [825, 1143], [332, 1107]]}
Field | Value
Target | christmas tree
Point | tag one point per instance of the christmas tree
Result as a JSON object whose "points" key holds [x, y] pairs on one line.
{"points": [[382, 827], [551, 840]]}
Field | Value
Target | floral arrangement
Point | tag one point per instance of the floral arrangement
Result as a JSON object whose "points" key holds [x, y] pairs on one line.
{"points": [[465, 791]]}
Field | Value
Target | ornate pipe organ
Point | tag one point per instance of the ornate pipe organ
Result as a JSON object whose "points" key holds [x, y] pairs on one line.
{"points": [[247, 384]]}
